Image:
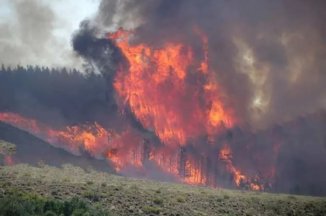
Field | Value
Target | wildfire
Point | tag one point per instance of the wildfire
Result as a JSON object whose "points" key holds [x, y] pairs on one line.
{"points": [[125, 150], [166, 92], [171, 93], [239, 178], [166, 159], [193, 173], [90, 137], [122, 150]]}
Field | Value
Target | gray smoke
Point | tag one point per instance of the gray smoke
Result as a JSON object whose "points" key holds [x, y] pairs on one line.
{"points": [[268, 55], [28, 38]]}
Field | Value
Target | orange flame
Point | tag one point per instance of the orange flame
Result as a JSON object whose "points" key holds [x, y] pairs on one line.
{"points": [[171, 93], [122, 150], [194, 174], [225, 155], [73, 138], [166, 92]]}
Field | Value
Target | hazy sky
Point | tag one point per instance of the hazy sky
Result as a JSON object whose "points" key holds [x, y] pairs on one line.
{"points": [[48, 23]]}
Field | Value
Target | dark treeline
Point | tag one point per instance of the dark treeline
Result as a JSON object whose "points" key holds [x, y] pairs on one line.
{"points": [[56, 96]]}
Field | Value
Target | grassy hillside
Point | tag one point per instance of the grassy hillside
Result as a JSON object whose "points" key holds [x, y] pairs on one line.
{"points": [[118, 195]]}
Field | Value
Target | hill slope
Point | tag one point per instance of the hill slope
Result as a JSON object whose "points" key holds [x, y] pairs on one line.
{"points": [[124, 196], [32, 150]]}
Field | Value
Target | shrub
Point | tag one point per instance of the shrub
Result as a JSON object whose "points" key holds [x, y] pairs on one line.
{"points": [[28, 204], [151, 210], [158, 201], [180, 199], [89, 182], [50, 213], [92, 196]]}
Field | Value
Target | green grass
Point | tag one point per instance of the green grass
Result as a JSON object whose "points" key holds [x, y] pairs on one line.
{"points": [[17, 203], [118, 195]]}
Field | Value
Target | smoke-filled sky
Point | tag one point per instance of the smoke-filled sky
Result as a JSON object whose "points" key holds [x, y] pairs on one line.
{"points": [[39, 32], [269, 56]]}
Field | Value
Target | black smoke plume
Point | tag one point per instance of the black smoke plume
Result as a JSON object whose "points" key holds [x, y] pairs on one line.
{"points": [[268, 55], [103, 56]]}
